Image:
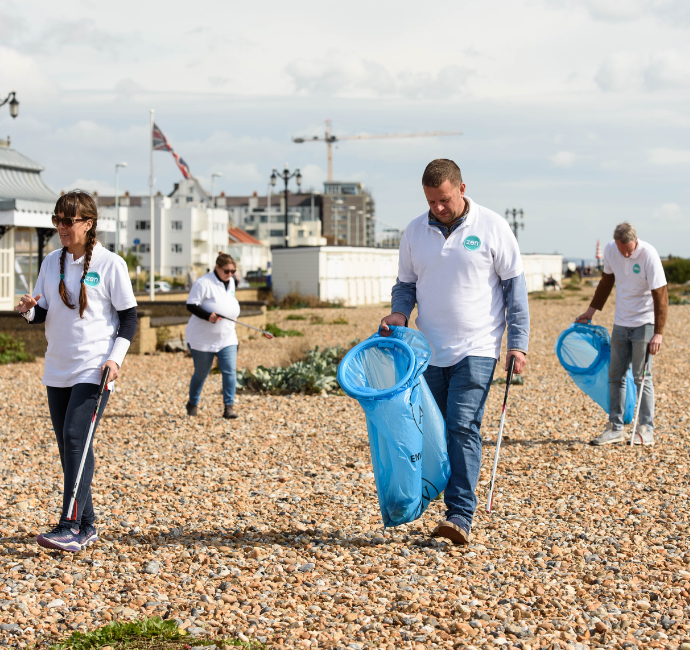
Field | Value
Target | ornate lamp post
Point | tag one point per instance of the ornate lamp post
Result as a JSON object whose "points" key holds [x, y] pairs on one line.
{"points": [[515, 225], [286, 175], [14, 104]]}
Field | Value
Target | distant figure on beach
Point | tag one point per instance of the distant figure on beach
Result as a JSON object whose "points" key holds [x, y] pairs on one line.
{"points": [[207, 334], [635, 268], [460, 263]]}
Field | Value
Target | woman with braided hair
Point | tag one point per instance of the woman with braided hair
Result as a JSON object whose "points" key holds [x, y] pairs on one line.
{"points": [[84, 296]]}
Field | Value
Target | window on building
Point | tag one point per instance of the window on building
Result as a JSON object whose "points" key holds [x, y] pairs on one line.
{"points": [[111, 247], [176, 270], [219, 226], [277, 233], [142, 225], [175, 225], [176, 248], [143, 248], [190, 199], [264, 218], [300, 233]]}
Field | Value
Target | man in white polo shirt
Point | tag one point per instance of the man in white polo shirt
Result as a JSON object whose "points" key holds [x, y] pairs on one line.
{"points": [[641, 310], [461, 265]]}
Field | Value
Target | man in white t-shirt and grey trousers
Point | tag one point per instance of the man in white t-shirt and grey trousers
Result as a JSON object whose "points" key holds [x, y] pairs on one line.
{"points": [[641, 310], [460, 263]]}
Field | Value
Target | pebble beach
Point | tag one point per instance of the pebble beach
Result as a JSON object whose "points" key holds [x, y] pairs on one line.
{"points": [[268, 527]]}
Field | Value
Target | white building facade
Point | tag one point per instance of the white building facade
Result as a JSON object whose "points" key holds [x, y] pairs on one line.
{"points": [[189, 233]]}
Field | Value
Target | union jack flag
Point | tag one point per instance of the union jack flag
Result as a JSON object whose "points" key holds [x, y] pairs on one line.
{"points": [[160, 143]]}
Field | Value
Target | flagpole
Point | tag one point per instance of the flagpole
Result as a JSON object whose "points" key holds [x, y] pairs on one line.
{"points": [[152, 273]]}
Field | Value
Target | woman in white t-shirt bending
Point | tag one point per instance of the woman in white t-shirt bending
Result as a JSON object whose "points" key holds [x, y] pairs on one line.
{"points": [[210, 332], [84, 296]]}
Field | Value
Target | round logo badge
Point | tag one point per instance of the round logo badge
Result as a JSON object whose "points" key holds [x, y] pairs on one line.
{"points": [[636, 268], [472, 243], [92, 279]]}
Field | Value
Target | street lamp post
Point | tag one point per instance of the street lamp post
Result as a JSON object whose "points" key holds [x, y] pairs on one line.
{"points": [[214, 175], [515, 225], [286, 176], [14, 104], [117, 205]]}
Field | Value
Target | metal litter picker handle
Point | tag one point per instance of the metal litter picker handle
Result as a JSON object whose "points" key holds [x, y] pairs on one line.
{"points": [[268, 335], [639, 397], [101, 389], [490, 500]]}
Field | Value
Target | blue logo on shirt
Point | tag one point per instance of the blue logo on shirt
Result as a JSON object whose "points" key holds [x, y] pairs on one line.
{"points": [[472, 243], [92, 279], [636, 268]]}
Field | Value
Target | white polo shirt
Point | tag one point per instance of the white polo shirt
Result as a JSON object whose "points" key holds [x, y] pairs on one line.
{"points": [[78, 347], [636, 277], [460, 302], [210, 294]]}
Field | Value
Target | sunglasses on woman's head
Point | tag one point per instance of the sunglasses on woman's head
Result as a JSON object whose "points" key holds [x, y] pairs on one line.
{"points": [[67, 222]]}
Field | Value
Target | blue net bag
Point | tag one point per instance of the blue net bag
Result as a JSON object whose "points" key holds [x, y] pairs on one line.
{"points": [[407, 433], [585, 352]]}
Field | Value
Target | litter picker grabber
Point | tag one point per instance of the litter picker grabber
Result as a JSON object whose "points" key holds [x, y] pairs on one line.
{"points": [[101, 389], [639, 397], [268, 335], [490, 500]]}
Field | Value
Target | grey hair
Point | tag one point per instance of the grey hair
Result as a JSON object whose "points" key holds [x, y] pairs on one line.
{"points": [[625, 233]]}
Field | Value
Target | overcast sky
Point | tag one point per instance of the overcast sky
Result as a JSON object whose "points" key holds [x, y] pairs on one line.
{"points": [[575, 111]]}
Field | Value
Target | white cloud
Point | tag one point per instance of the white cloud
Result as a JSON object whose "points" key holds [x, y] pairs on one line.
{"points": [[620, 71], [662, 156], [341, 75], [669, 212], [626, 71], [616, 10], [91, 185], [21, 73], [563, 159]]}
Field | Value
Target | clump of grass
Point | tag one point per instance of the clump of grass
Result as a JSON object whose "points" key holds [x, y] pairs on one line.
{"points": [[296, 300], [144, 634], [126, 632], [278, 332], [295, 317], [12, 350], [550, 295], [316, 320], [339, 321]]}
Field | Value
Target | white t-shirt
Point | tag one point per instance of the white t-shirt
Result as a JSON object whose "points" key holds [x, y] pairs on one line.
{"points": [[636, 277], [210, 294], [78, 347], [460, 302]]}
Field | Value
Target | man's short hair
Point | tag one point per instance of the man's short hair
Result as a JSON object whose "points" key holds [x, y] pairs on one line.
{"points": [[441, 170], [625, 233]]}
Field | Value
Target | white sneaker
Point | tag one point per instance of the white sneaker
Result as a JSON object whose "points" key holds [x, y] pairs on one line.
{"points": [[644, 436], [608, 436]]}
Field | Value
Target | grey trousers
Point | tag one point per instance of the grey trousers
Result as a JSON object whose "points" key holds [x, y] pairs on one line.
{"points": [[628, 346]]}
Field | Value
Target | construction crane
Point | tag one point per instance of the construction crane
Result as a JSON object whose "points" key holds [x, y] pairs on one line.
{"points": [[329, 139]]}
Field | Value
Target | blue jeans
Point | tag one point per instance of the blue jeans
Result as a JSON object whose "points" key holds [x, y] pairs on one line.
{"points": [[460, 392], [227, 362], [628, 346], [71, 410]]}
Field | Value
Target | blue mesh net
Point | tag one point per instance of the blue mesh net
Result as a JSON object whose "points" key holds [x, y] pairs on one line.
{"points": [[585, 352], [407, 433]]}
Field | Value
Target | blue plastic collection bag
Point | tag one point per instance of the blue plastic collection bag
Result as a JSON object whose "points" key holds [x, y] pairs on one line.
{"points": [[585, 352], [407, 433]]}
